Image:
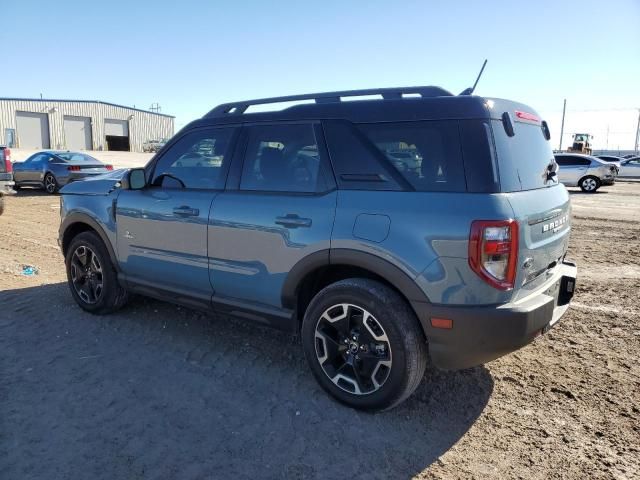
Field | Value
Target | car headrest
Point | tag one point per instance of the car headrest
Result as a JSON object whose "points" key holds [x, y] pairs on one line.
{"points": [[271, 163]]}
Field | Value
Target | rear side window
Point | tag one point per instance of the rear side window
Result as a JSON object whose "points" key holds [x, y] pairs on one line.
{"points": [[282, 158], [480, 163], [427, 154], [524, 158], [37, 158]]}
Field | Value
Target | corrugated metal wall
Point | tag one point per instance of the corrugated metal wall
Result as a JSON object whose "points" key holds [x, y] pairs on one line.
{"points": [[143, 126]]}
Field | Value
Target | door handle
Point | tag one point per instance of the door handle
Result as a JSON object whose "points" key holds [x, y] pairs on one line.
{"points": [[186, 211], [293, 221]]}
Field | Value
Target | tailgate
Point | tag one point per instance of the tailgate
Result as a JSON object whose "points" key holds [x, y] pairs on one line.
{"points": [[544, 216]]}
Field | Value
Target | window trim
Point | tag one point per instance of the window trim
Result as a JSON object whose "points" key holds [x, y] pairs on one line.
{"points": [[235, 176], [150, 168]]}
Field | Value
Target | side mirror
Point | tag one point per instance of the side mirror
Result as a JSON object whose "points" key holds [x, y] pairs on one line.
{"points": [[134, 179]]}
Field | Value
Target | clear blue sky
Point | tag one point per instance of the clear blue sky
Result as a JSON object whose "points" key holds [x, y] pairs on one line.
{"points": [[190, 56]]}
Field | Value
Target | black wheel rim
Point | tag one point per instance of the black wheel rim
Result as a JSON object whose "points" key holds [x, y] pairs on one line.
{"points": [[50, 183], [86, 274], [353, 349]]}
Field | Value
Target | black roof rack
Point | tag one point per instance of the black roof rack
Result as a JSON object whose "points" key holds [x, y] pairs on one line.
{"points": [[238, 108]]}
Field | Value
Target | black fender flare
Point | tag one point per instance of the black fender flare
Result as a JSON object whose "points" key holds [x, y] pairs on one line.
{"points": [[348, 257], [79, 217]]}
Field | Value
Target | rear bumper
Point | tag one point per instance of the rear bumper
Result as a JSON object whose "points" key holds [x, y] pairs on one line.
{"points": [[74, 177], [6, 187], [483, 333]]}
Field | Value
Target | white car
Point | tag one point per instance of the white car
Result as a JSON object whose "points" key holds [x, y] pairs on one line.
{"points": [[630, 168], [584, 171], [617, 161]]}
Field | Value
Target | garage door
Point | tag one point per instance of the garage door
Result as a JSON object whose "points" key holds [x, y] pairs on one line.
{"points": [[116, 133], [118, 128], [77, 132], [33, 130]]}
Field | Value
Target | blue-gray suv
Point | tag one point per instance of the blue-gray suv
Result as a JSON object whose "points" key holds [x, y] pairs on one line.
{"points": [[306, 219]]}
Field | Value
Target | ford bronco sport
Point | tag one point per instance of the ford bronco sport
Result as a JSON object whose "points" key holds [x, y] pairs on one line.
{"points": [[303, 219]]}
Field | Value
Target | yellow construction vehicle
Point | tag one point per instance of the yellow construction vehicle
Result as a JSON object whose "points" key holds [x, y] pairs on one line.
{"points": [[581, 143]]}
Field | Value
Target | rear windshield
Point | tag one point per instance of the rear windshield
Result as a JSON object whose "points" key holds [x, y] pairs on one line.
{"points": [[76, 157], [427, 154], [522, 159]]}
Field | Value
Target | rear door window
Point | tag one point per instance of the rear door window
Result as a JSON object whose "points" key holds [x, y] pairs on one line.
{"points": [[426, 154], [282, 158], [572, 161]]}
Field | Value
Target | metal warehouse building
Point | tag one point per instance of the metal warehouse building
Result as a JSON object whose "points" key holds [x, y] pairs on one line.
{"points": [[79, 125]]}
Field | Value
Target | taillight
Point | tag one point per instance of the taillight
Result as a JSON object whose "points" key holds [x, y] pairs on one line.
{"points": [[109, 167], [493, 252], [7, 160], [73, 168]]}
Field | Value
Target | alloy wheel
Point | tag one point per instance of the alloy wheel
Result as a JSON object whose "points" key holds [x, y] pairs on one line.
{"points": [[589, 184], [353, 349], [86, 274], [50, 183]]}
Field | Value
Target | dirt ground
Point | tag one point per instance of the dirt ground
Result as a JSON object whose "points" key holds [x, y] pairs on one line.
{"points": [[158, 391]]}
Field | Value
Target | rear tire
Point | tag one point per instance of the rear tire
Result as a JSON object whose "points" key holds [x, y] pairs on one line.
{"points": [[92, 277], [589, 184], [364, 344], [50, 183]]}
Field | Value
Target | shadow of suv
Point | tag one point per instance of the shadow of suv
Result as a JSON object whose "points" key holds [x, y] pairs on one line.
{"points": [[304, 219]]}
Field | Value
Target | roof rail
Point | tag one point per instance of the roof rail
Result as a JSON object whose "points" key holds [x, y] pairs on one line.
{"points": [[238, 108]]}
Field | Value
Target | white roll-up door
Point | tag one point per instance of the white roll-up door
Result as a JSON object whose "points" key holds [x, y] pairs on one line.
{"points": [[119, 128], [77, 132], [33, 130]]}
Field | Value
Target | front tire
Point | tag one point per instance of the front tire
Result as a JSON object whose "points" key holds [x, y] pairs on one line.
{"points": [[364, 344], [50, 183], [92, 277], [589, 184]]}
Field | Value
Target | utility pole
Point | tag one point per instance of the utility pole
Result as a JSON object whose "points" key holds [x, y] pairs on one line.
{"points": [[637, 132], [564, 108]]}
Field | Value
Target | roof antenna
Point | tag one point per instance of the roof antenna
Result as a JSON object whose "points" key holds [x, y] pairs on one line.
{"points": [[469, 91]]}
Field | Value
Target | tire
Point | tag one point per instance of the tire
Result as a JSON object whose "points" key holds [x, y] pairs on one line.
{"points": [[390, 353], [50, 184], [83, 283], [589, 184]]}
